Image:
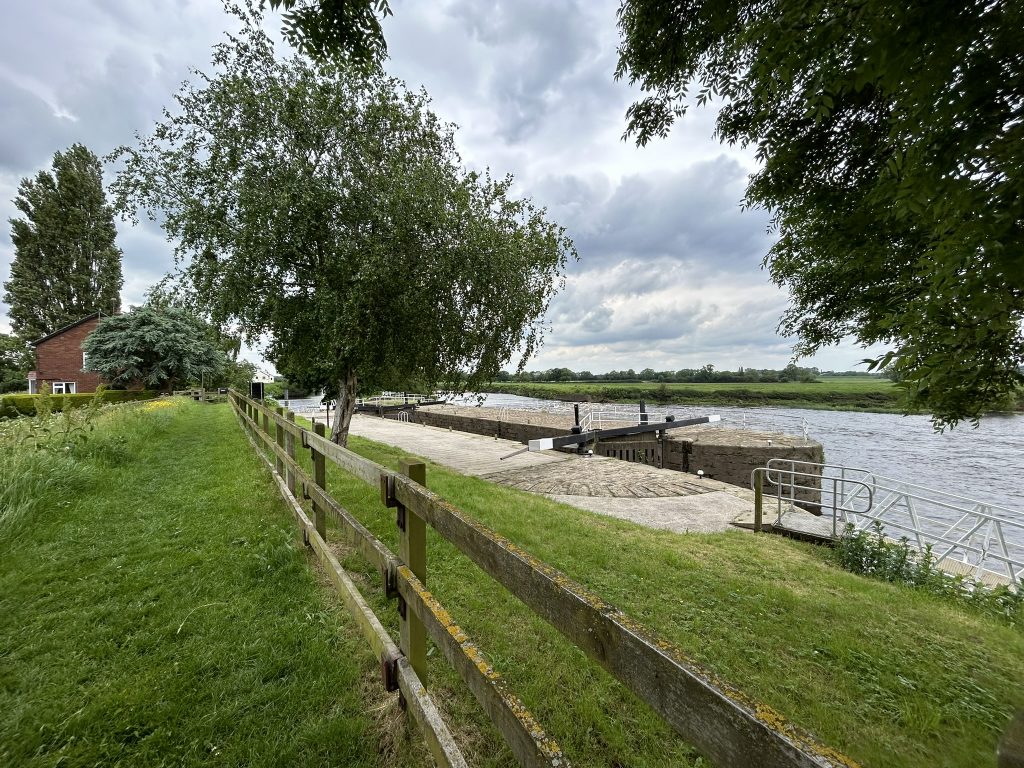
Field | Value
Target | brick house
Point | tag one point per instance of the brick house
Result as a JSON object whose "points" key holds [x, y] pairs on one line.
{"points": [[59, 360]]}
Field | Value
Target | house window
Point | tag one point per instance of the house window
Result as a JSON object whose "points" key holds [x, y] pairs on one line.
{"points": [[64, 387]]}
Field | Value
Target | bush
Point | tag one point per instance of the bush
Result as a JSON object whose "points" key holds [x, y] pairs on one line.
{"points": [[871, 553], [12, 406]]}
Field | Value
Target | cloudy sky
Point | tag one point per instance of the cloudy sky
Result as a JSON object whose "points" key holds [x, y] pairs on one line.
{"points": [[669, 273]]}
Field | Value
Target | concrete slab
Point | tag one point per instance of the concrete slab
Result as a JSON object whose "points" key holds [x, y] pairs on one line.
{"points": [[658, 498], [469, 454], [703, 513]]}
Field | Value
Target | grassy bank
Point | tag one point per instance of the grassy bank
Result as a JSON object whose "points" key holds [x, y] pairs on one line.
{"points": [[890, 675], [850, 393], [154, 609]]}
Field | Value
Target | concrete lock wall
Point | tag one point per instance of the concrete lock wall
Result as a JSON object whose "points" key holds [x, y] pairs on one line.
{"points": [[728, 455], [485, 424]]}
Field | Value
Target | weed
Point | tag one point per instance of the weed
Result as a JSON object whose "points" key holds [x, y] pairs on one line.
{"points": [[872, 553]]}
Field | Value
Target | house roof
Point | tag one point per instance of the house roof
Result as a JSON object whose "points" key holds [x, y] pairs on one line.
{"points": [[66, 328]]}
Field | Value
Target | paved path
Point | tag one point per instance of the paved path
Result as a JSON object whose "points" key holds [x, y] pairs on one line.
{"points": [[657, 498]]}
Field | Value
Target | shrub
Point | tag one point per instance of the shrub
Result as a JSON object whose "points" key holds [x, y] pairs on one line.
{"points": [[871, 553], [12, 406]]}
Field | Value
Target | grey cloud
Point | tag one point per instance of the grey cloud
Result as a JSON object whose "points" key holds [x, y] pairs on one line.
{"points": [[691, 216], [541, 59], [29, 131]]}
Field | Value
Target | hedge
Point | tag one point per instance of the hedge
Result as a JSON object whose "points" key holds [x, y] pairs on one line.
{"points": [[12, 406]]}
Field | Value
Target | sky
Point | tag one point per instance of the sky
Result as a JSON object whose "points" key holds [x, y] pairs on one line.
{"points": [[669, 274]]}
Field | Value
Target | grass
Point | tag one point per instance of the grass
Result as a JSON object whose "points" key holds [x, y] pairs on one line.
{"points": [[862, 393], [154, 609], [890, 675]]}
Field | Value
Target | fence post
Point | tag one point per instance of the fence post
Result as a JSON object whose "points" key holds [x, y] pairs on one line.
{"points": [[289, 447], [266, 419], [280, 439], [413, 552], [320, 478], [758, 499]]}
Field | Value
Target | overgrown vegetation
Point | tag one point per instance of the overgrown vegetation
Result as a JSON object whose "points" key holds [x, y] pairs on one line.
{"points": [[13, 406], [156, 609], [872, 554]]}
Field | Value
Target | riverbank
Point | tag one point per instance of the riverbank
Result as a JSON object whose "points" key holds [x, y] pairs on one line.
{"points": [[887, 674], [158, 609], [838, 393]]}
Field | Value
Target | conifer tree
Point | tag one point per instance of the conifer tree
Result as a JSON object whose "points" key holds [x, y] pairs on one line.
{"points": [[66, 264]]}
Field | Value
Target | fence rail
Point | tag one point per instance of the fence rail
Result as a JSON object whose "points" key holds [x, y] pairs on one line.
{"points": [[728, 727]]}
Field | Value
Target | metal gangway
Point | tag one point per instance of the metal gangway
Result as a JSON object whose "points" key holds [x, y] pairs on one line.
{"points": [[967, 537]]}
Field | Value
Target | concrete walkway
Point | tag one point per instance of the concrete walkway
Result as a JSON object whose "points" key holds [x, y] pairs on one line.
{"points": [[657, 498]]}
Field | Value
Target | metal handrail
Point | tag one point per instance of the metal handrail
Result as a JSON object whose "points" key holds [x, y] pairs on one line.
{"points": [[975, 536], [765, 473]]}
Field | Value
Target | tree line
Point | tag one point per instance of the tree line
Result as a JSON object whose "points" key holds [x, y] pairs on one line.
{"points": [[704, 375]]}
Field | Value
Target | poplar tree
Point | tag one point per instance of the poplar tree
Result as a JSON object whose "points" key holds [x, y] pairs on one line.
{"points": [[66, 264]]}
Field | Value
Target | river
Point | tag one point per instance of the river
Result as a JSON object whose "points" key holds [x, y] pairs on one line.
{"points": [[986, 464]]}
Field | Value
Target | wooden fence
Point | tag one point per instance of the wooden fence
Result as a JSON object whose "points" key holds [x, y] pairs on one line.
{"points": [[726, 726]]}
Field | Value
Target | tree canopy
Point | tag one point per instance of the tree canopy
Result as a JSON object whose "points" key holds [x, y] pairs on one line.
{"points": [[891, 144], [160, 347], [328, 209], [66, 264], [347, 30], [16, 360]]}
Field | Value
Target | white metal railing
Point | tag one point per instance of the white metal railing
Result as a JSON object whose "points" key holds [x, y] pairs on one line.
{"points": [[597, 416], [965, 535], [395, 398]]}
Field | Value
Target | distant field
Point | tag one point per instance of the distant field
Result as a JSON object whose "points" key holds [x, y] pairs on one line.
{"points": [[861, 393]]}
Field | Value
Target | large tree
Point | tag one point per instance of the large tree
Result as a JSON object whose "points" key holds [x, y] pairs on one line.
{"points": [[891, 144], [329, 210], [16, 360], [159, 347], [66, 265]]}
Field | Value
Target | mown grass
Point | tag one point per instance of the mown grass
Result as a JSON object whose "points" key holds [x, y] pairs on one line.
{"points": [[887, 674], [839, 393], [158, 611], [155, 610]]}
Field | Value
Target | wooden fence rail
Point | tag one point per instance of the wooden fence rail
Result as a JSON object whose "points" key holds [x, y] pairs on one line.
{"points": [[728, 727]]}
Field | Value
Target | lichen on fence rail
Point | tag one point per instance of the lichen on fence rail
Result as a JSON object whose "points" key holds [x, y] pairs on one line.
{"points": [[729, 727]]}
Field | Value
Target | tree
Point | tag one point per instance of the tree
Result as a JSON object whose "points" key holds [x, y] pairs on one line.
{"points": [[329, 210], [891, 143], [160, 347], [16, 360], [66, 265], [346, 30]]}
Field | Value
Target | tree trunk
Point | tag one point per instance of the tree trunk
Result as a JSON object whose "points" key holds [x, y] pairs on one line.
{"points": [[345, 408]]}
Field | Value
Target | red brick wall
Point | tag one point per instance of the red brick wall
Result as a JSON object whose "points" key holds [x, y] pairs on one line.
{"points": [[60, 358]]}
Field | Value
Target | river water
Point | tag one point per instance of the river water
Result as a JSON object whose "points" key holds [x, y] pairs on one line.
{"points": [[986, 464]]}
